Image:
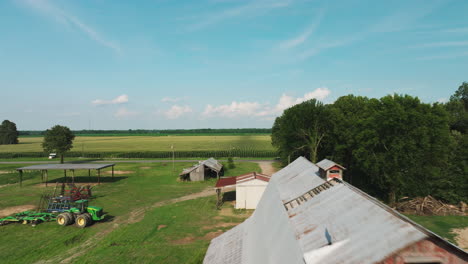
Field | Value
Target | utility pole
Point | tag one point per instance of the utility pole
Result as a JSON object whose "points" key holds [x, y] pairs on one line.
{"points": [[173, 158]]}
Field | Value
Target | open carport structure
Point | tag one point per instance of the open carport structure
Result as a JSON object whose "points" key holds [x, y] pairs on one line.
{"points": [[44, 168]]}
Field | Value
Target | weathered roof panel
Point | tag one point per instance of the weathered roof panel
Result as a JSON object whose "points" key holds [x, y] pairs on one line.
{"points": [[360, 231]]}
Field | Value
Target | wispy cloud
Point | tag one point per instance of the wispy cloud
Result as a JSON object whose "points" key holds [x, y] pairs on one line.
{"points": [[48, 9], [443, 44], [407, 16], [301, 38], [443, 56], [252, 8], [456, 30], [124, 113], [173, 99], [118, 100], [177, 111]]}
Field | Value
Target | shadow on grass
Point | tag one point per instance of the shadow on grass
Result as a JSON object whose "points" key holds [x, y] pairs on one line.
{"points": [[82, 161], [86, 179]]}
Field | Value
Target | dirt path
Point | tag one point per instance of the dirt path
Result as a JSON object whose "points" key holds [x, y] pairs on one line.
{"points": [[15, 209], [461, 237], [133, 217], [267, 167]]}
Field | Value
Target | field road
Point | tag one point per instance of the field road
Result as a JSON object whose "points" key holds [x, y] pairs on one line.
{"points": [[124, 161]]}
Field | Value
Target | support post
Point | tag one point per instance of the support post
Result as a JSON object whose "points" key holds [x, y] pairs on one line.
{"points": [[42, 176], [99, 176], [46, 177], [21, 177], [65, 174], [112, 172], [218, 202], [89, 175]]}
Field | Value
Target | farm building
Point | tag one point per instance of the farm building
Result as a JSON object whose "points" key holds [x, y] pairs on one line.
{"points": [[209, 168], [249, 188], [329, 170], [302, 218]]}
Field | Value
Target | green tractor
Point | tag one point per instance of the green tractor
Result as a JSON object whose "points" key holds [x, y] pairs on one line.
{"points": [[82, 214]]}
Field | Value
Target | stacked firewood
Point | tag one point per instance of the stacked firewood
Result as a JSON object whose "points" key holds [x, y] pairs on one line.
{"points": [[430, 206]]}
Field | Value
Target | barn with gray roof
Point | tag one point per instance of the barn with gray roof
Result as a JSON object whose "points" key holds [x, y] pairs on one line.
{"points": [[302, 218]]}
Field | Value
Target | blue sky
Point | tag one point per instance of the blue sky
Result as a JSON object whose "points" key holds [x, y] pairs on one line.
{"points": [[105, 64]]}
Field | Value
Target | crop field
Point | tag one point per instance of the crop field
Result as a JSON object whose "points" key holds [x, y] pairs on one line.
{"points": [[143, 225], [151, 143]]}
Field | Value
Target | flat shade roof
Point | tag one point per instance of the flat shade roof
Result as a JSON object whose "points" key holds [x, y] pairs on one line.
{"points": [[67, 166]]}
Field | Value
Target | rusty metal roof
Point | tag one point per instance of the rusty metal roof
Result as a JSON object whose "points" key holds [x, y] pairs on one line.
{"points": [[327, 164], [224, 182], [304, 219]]}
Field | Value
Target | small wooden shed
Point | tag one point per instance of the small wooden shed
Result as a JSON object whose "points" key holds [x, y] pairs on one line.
{"points": [[249, 188], [329, 169], [209, 168]]}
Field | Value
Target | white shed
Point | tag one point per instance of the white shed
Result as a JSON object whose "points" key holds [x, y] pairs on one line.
{"points": [[249, 190]]}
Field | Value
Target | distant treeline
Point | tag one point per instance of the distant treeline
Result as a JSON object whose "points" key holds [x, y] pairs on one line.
{"points": [[154, 132]]}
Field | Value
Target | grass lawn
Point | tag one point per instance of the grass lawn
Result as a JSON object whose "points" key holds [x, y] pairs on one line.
{"points": [[441, 225], [184, 238], [150, 143]]}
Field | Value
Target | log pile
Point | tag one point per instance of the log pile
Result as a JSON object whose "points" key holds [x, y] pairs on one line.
{"points": [[430, 206]]}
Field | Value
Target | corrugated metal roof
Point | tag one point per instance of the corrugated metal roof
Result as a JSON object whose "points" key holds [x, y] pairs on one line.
{"points": [[67, 166], [328, 222], [210, 163], [327, 164]]}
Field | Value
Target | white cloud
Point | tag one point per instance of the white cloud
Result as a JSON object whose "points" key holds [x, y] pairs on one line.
{"points": [[256, 109], [118, 100], [52, 11], [124, 113], [235, 109], [442, 100], [177, 111], [287, 101]]}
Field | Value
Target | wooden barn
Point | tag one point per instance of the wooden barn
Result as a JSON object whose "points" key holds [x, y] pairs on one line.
{"points": [[304, 219], [209, 168]]}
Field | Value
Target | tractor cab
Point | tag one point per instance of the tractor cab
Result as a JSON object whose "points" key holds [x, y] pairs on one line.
{"points": [[80, 207]]}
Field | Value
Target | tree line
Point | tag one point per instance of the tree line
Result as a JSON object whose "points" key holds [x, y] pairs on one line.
{"points": [[392, 147], [157, 132]]}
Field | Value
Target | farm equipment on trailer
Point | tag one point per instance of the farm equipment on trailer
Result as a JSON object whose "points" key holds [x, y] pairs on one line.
{"points": [[66, 210]]}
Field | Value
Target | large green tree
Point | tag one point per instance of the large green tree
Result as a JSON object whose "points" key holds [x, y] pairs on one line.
{"points": [[8, 133], [301, 129], [58, 139]]}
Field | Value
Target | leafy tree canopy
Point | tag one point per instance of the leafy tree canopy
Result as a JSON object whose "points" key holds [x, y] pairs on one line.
{"points": [[58, 139], [8, 133]]}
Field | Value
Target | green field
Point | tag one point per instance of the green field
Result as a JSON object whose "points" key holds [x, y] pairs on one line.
{"points": [[150, 143], [137, 230]]}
